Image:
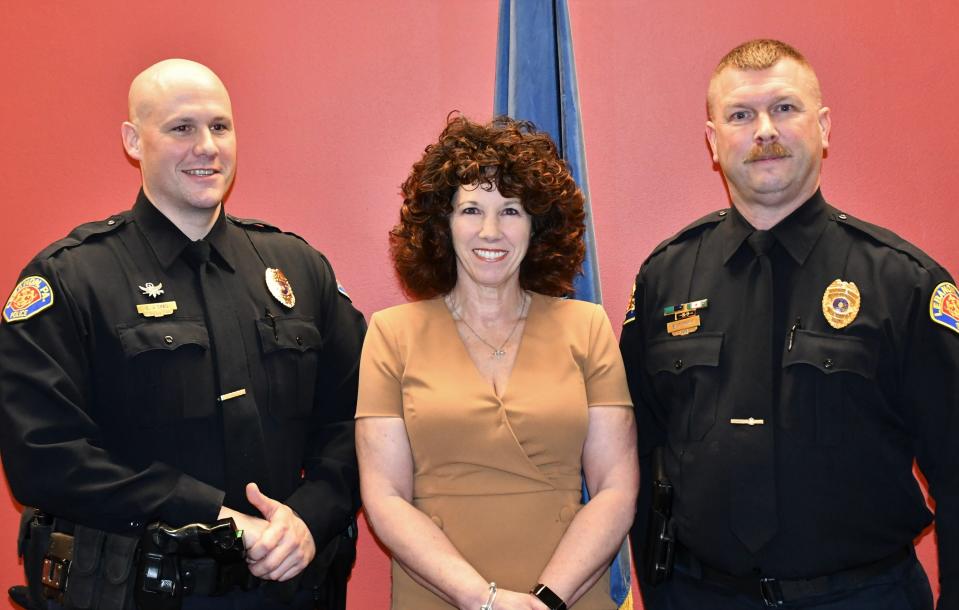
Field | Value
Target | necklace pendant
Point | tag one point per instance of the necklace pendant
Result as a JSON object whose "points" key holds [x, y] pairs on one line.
{"points": [[499, 353]]}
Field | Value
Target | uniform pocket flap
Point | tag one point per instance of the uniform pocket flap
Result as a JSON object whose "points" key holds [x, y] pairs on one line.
{"points": [[289, 332], [676, 354], [833, 353], [162, 335]]}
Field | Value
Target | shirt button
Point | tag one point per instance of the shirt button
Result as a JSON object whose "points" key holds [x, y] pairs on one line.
{"points": [[111, 222], [843, 217], [168, 340], [827, 363], [722, 212], [678, 364]]}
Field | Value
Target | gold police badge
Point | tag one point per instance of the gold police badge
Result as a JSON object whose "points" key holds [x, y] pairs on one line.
{"points": [[280, 287], [840, 303]]}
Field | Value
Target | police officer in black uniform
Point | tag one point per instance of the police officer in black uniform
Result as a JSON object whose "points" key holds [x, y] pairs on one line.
{"points": [[792, 361], [172, 363]]}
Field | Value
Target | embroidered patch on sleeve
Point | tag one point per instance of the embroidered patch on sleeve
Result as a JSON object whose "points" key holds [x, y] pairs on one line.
{"points": [[631, 306], [31, 296], [944, 306]]}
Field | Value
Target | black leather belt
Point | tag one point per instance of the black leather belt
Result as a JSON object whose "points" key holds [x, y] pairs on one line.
{"points": [[774, 592]]}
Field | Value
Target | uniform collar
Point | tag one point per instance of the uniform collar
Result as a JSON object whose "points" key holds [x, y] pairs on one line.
{"points": [[733, 233], [797, 233], [168, 241]]}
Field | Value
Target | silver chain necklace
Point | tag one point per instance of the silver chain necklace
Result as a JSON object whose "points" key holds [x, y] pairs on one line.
{"points": [[498, 352]]}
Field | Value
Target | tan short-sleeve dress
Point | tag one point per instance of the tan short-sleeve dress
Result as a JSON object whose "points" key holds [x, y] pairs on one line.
{"points": [[500, 474]]}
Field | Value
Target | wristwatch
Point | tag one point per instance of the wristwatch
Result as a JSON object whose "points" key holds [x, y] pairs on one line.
{"points": [[546, 595]]}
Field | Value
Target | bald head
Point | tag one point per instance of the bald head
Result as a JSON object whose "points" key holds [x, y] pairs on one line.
{"points": [[166, 79], [182, 134]]}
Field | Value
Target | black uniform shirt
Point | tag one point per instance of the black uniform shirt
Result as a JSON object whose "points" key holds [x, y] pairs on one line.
{"points": [[852, 406], [110, 418]]}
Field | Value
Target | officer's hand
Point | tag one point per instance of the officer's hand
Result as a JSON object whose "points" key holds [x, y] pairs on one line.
{"points": [[285, 547], [253, 527]]}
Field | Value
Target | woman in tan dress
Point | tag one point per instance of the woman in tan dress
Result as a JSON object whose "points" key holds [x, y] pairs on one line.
{"points": [[484, 402]]}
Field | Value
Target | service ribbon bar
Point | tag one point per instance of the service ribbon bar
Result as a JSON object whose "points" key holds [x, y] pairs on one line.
{"points": [[686, 307]]}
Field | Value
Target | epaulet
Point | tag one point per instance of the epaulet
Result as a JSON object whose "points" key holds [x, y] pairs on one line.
{"points": [[254, 223], [85, 232], [261, 226], [883, 236], [265, 227], [692, 228]]}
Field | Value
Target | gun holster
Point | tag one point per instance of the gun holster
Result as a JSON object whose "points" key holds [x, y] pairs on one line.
{"points": [[32, 545], [660, 549], [195, 558]]}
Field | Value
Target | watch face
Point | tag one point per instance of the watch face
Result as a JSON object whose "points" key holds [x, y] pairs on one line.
{"points": [[546, 595]]}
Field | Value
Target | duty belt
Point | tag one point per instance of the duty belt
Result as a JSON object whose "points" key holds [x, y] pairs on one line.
{"points": [[204, 576], [196, 559], [774, 592]]}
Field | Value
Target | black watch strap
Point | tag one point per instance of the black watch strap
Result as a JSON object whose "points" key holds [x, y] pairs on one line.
{"points": [[546, 595]]}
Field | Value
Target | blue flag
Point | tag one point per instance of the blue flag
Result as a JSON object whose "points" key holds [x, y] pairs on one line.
{"points": [[536, 81]]}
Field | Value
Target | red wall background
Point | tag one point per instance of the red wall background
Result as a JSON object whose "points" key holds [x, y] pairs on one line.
{"points": [[334, 100]]}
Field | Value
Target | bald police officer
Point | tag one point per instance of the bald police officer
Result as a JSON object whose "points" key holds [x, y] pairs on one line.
{"points": [[792, 361], [172, 363]]}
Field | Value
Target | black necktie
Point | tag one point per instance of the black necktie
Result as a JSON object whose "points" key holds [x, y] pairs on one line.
{"points": [[245, 451], [753, 476]]}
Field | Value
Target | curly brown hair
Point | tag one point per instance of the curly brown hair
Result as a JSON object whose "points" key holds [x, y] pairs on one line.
{"points": [[520, 162]]}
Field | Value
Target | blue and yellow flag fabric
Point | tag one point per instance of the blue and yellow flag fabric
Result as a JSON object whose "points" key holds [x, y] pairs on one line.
{"points": [[536, 81]]}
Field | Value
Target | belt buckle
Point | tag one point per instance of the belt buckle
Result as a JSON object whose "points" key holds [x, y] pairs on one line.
{"points": [[771, 592]]}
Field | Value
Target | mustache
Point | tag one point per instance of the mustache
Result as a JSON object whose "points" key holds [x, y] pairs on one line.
{"points": [[773, 150]]}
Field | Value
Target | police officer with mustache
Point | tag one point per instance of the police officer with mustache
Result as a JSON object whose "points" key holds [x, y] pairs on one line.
{"points": [[789, 362]]}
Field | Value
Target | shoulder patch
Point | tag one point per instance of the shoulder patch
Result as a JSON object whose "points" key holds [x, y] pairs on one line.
{"points": [[944, 306], [709, 219], [631, 306], [31, 296]]}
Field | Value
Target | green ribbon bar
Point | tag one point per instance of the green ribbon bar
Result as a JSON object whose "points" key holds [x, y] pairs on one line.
{"points": [[691, 306]]}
